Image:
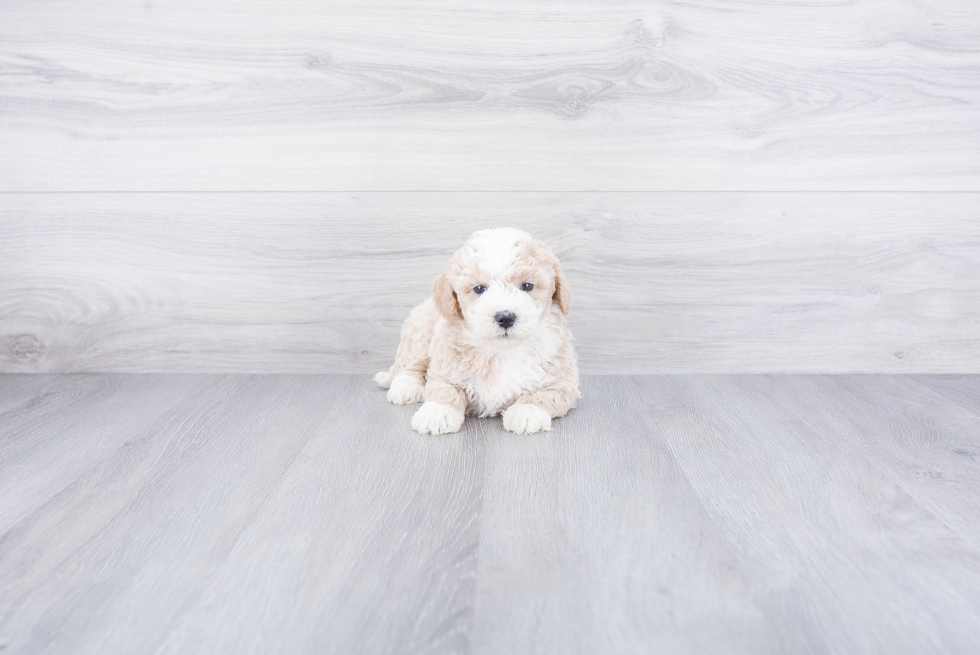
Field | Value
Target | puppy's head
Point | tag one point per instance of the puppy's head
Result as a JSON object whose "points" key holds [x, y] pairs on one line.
{"points": [[501, 283]]}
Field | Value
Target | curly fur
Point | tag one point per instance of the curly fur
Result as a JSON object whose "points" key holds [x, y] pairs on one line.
{"points": [[456, 357]]}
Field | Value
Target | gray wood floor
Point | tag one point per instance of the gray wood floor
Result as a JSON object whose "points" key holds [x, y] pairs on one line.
{"points": [[667, 514]]}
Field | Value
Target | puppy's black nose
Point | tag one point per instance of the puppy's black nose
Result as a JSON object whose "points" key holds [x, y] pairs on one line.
{"points": [[505, 319]]}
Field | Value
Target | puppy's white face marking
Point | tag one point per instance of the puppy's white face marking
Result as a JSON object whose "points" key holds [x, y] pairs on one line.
{"points": [[494, 251], [504, 291]]}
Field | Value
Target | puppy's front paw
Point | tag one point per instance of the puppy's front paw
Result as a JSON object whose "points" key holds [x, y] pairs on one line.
{"points": [[405, 390], [383, 379], [436, 418], [523, 418]]}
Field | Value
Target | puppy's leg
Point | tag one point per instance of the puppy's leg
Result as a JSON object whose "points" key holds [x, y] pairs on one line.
{"points": [[444, 408], [405, 380], [408, 386], [526, 418], [384, 378], [532, 412]]}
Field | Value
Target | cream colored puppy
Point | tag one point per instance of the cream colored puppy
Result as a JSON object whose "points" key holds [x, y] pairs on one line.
{"points": [[492, 339]]}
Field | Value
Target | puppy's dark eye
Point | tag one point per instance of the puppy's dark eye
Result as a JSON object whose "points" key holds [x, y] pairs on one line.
{"points": [[479, 288], [527, 286]]}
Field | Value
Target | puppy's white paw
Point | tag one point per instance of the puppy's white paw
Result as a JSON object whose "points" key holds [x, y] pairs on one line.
{"points": [[383, 379], [523, 418], [436, 418], [405, 390]]}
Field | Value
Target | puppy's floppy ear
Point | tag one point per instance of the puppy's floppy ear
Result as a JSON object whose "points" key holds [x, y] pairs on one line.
{"points": [[446, 301], [562, 296]]}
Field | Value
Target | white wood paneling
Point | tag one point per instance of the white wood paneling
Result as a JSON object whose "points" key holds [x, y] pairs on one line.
{"points": [[514, 95], [320, 282]]}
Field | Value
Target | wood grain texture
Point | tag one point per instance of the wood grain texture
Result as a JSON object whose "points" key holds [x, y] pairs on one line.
{"points": [[98, 411], [177, 95], [268, 484], [961, 389], [593, 541], [666, 514], [819, 491], [661, 282], [367, 544], [935, 443]]}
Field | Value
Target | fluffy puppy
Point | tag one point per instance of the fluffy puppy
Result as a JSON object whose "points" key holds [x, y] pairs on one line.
{"points": [[491, 339]]}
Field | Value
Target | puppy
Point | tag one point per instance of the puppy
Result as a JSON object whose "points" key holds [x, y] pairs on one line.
{"points": [[491, 339]]}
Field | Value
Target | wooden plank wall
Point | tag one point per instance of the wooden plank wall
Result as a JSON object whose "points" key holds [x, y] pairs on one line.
{"points": [[269, 186]]}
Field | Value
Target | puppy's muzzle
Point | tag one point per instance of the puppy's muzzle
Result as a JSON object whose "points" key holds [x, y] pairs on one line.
{"points": [[505, 319]]}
